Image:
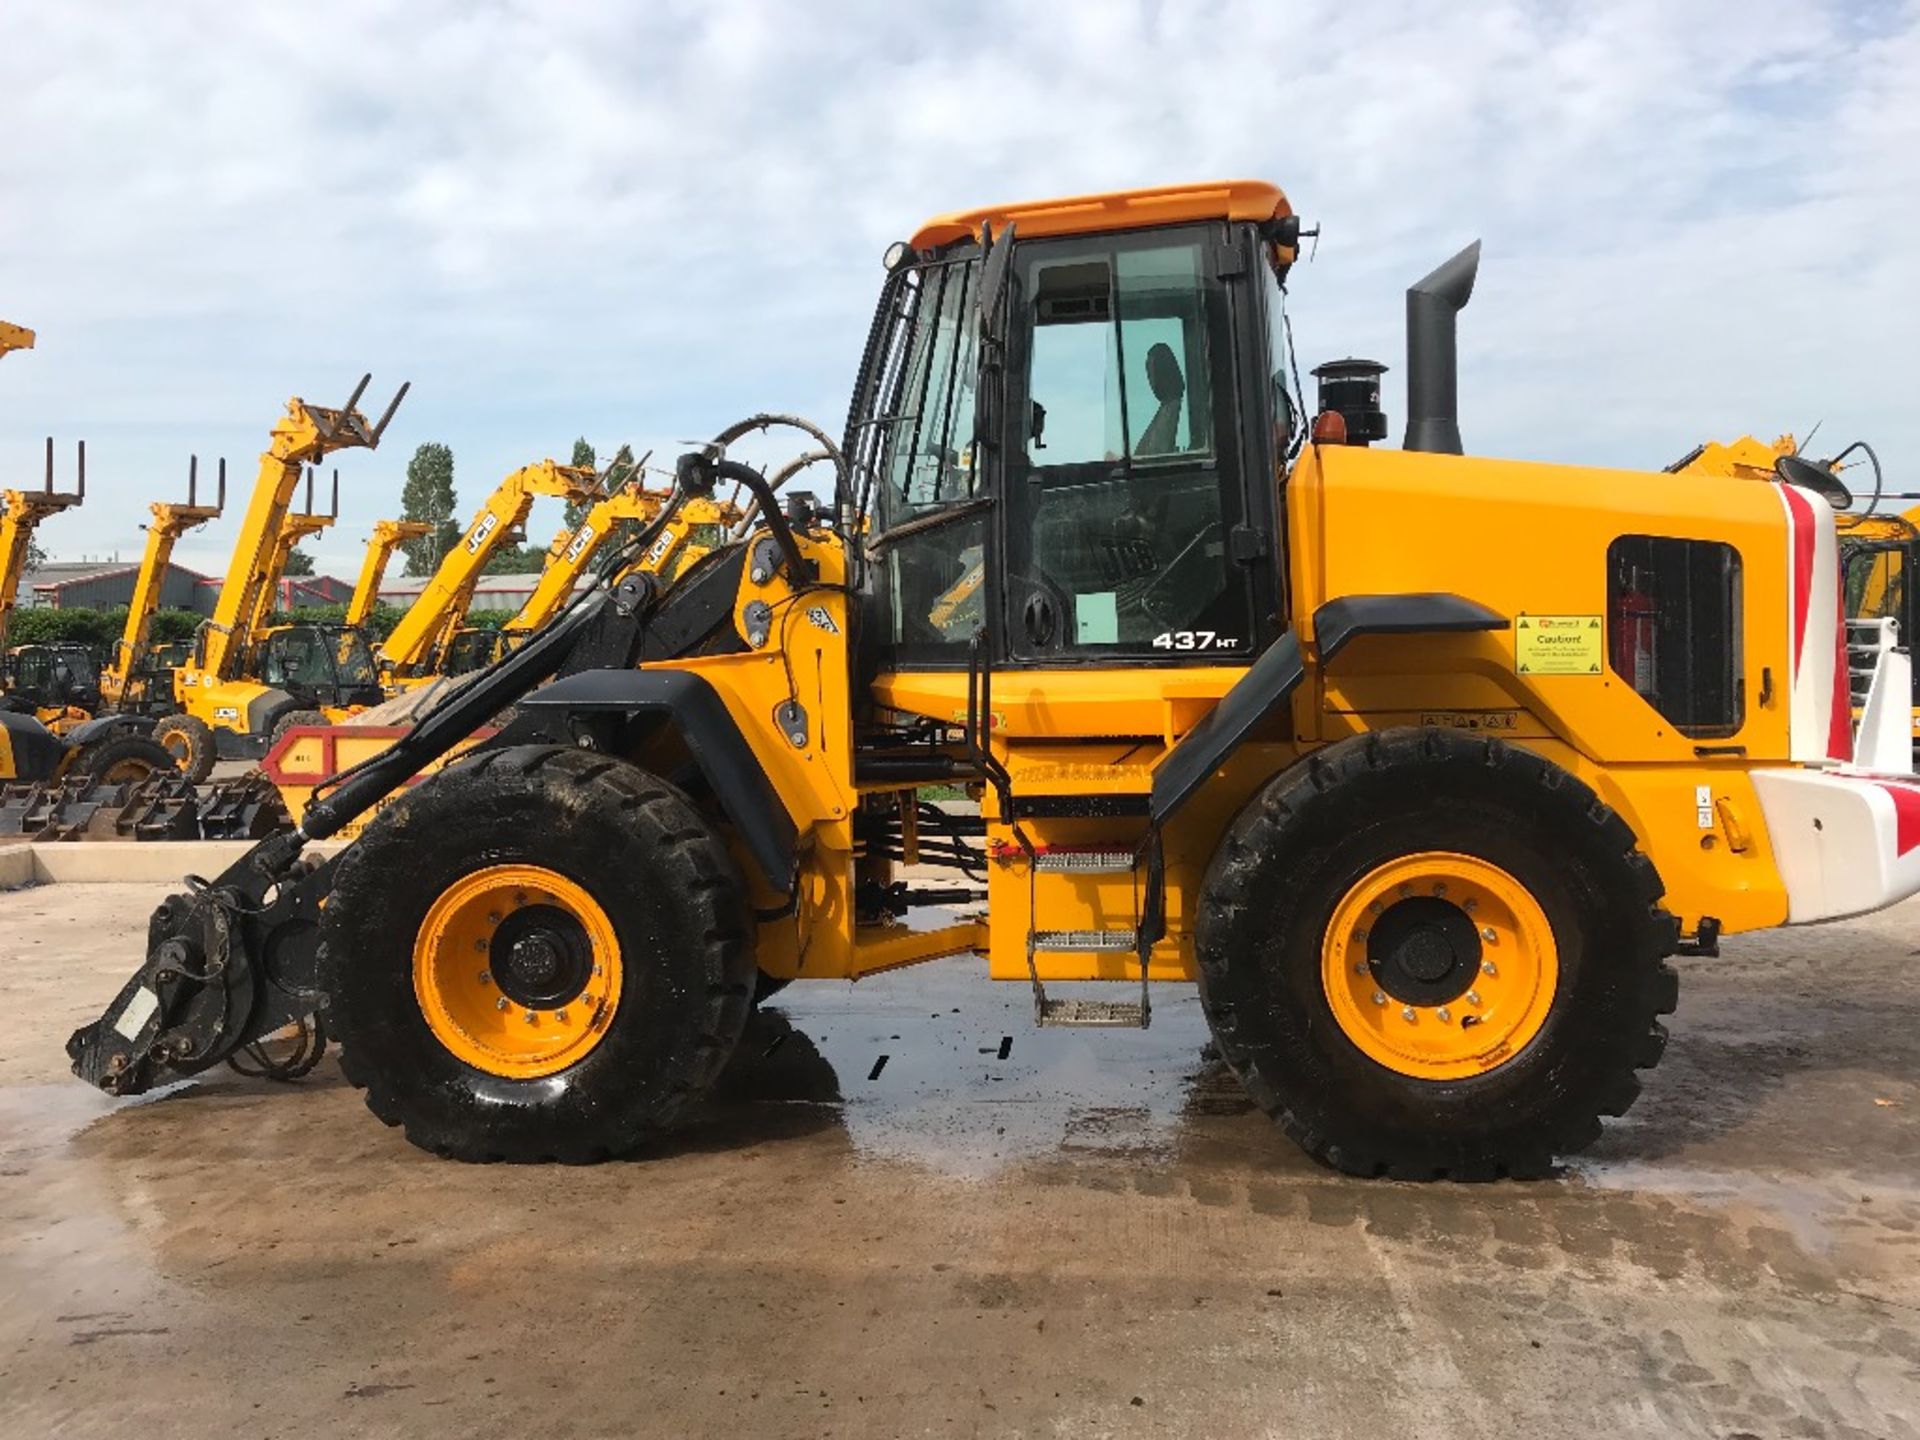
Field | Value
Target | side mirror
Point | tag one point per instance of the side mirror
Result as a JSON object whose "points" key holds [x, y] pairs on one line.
{"points": [[1810, 475]]}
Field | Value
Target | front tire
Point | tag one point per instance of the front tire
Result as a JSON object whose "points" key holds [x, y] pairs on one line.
{"points": [[1431, 956], [189, 740], [539, 954], [289, 720]]}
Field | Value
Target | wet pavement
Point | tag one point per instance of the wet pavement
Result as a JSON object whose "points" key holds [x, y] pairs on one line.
{"points": [[907, 1212]]}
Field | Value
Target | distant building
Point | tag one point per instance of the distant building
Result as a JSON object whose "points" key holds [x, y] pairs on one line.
{"points": [[494, 592], [294, 591], [103, 584]]}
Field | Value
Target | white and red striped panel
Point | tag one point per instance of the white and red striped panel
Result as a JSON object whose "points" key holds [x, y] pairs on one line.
{"points": [[1819, 708], [1845, 842]]}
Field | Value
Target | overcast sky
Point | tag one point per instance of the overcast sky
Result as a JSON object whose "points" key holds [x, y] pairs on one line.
{"points": [[560, 219]]}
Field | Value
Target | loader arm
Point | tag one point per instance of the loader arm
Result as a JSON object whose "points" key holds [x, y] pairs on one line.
{"points": [[170, 522], [432, 619], [205, 989], [304, 434], [388, 536], [14, 337]]}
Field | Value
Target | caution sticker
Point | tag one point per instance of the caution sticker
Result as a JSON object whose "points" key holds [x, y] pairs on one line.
{"points": [[1559, 645]]}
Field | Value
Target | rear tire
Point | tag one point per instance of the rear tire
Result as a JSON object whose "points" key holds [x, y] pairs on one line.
{"points": [[189, 740], [125, 757], [430, 991], [1343, 997]]}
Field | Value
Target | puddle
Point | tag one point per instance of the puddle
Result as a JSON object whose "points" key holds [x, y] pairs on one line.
{"points": [[946, 1069]]}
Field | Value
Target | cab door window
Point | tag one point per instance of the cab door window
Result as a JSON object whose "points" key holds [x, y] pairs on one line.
{"points": [[1119, 508]]}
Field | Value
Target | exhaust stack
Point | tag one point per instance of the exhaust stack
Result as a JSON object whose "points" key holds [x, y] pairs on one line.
{"points": [[1433, 361]]}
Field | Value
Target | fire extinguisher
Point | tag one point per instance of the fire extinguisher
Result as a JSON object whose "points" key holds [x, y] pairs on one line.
{"points": [[1635, 647]]}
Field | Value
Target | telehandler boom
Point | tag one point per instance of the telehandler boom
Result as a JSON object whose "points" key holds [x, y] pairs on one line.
{"points": [[409, 653], [25, 509], [126, 683], [388, 536], [1362, 740]]}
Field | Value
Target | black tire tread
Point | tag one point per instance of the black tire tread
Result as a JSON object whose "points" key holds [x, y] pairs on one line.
{"points": [[702, 869], [1237, 874]]}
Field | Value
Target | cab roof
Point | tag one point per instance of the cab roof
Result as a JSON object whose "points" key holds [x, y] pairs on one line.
{"points": [[1254, 200]]}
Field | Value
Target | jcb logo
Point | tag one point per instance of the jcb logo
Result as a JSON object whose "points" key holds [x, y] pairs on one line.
{"points": [[662, 545], [480, 533], [578, 543]]}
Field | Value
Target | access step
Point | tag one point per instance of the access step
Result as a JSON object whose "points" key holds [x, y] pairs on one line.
{"points": [[1083, 940], [1110, 1014]]}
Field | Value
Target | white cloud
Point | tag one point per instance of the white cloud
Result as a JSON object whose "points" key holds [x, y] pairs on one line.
{"points": [[560, 219]]}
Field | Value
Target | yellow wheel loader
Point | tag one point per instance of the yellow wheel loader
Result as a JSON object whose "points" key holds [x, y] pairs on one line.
{"points": [[1367, 742], [244, 680]]}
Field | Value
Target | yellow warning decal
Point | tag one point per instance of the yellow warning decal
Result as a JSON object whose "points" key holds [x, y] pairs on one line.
{"points": [[1559, 645]]}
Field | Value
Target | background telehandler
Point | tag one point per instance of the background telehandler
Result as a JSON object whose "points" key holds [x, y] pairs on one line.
{"points": [[242, 679], [57, 683], [1345, 734], [388, 536], [133, 682], [414, 649]]}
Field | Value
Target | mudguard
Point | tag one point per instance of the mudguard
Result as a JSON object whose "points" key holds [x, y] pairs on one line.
{"points": [[697, 714], [1272, 678]]}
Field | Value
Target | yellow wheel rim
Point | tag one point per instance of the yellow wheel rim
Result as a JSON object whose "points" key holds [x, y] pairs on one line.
{"points": [[517, 971], [127, 770], [178, 744], [1439, 966]]}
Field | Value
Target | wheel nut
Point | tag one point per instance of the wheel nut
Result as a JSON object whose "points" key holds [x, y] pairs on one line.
{"points": [[486, 977], [533, 1017], [493, 917], [1487, 933], [1439, 887], [480, 947], [1360, 968], [1359, 935], [502, 1003], [1444, 1014], [1473, 997], [1406, 1014], [1469, 905], [561, 1016], [1379, 997], [1486, 968]]}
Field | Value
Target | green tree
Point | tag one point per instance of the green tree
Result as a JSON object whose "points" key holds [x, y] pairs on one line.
{"points": [[517, 560], [428, 495], [299, 562], [583, 459]]}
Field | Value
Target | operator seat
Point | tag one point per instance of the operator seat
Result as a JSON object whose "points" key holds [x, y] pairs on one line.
{"points": [[1169, 387]]}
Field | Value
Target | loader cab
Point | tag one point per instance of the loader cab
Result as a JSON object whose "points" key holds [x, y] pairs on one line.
{"points": [[1078, 460], [477, 647], [320, 665]]}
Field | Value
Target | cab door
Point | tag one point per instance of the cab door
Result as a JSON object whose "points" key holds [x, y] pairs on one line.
{"points": [[1127, 528]]}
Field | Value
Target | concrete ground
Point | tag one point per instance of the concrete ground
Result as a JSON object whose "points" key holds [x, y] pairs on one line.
{"points": [[994, 1232]]}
